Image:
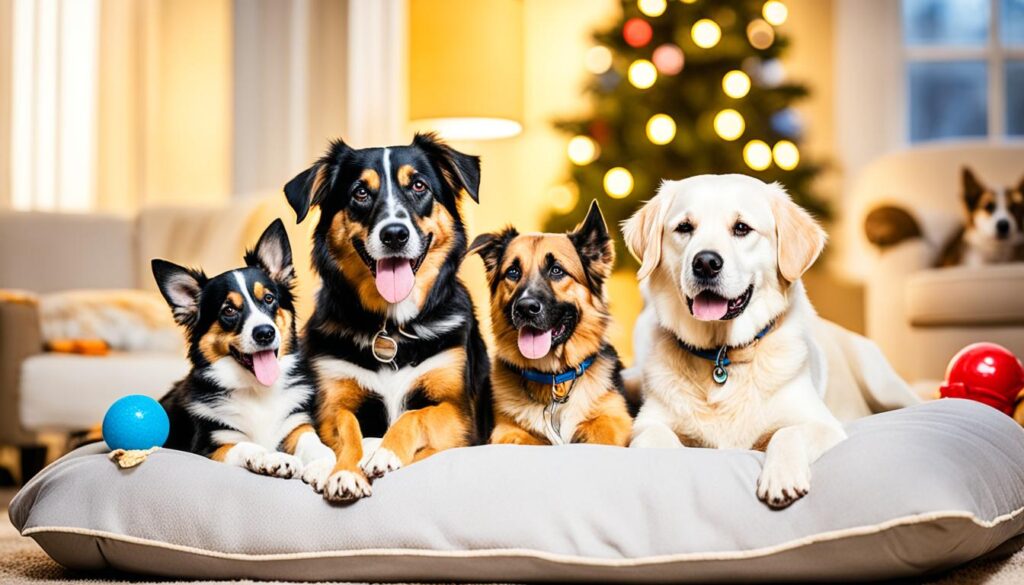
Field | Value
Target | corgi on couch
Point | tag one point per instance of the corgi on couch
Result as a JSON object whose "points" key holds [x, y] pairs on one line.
{"points": [[243, 402], [994, 231]]}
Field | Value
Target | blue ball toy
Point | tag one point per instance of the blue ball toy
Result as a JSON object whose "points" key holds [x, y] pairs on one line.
{"points": [[135, 422]]}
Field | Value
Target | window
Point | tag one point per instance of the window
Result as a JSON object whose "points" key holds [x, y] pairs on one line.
{"points": [[964, 68]]}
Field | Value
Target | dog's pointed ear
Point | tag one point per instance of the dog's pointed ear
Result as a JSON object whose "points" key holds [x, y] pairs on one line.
{"points": [[594, 244], [491, 247], [461, 172], [644, 230], [180, 287], [310, 187], [800, 238], [273, 254], [973, 188]]}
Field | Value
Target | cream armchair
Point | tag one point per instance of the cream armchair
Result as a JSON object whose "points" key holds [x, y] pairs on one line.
{"points": [[920, 315]]}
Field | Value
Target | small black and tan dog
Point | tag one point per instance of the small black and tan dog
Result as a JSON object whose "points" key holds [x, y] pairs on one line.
{"points": [[393, 344], [994, 231], [555, 377], [243, 402]]}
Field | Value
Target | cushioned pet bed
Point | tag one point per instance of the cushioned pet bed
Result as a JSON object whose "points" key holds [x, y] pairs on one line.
{"points": [[911, 491]]}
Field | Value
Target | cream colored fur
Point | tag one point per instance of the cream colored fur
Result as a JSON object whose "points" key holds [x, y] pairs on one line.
{"points": [[772, 399]]}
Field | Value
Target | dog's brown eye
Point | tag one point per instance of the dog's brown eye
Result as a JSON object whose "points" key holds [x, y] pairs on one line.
{"points": [[556, 272], [419, 187], [684, 228], [229, 311], [513, 273], [740, 229], [269, 299], [990, 207], [361, 194]]}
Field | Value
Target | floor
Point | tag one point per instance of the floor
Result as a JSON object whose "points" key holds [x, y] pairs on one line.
{"points": [[22, 562]]}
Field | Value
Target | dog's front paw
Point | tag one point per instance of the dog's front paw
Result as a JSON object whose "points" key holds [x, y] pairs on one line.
{"points": [[275, 464], [317, 472], [382, 461], [346, 486], [783, 482], [656, 437]]}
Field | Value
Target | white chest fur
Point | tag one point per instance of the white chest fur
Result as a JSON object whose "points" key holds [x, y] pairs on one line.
{"points": [[257, 414], [391, 385]]}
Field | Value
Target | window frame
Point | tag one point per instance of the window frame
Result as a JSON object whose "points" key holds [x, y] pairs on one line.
{"points": [[994, 53]]}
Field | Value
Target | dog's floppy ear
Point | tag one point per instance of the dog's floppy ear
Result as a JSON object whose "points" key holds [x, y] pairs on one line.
{"points": [[643, 232], [311, 186], [973, 188], [491, 247], [594, 245], [800, 238], [461, 172], [273, 254], [180, 286]]}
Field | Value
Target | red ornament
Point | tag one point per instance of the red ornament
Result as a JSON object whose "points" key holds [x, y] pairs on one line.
{"points": [[988, 373], [600, 131], [637, 32]]}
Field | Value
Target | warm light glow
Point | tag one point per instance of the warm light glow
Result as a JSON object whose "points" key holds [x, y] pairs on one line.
{"points": [[775, 12], [729, 124], [470, 128], [582, 150], [668, 58], [705, 33], [736, 84], [652, 8], [760, 34], [598, 59], [618, 182], [758, 155], [637, 32], [563, 198], [661, 129], [642, 74], [786, 155]]}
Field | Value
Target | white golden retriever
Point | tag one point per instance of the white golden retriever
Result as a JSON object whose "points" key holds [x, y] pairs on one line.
{"points": [[730, 364]]}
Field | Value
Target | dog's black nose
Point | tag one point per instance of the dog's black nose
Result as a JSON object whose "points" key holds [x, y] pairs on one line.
{"points": [[263, 334], [707, 264], [1003, 228], [394, 235], [527, 307]]}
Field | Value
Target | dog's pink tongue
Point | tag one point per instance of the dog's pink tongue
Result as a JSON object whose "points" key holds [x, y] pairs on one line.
{"points": [[708, 307], [264, 365], [394, 279], [534, 343]]}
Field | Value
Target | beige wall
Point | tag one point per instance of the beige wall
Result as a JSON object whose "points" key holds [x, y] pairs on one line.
{"points": [[6, 7]]}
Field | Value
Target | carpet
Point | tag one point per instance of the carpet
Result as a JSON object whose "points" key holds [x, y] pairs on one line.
{"points": [[22, 562]]}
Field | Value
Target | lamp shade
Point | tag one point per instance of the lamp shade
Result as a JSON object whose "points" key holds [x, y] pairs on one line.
{"points": [[466, 68]]}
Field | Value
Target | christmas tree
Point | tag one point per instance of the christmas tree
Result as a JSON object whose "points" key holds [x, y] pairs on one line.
{"points": [[680, 89]]}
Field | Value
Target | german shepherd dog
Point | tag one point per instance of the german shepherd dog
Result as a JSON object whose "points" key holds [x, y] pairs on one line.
{"points": [[393, 344], [243, 403], [556, 379]]}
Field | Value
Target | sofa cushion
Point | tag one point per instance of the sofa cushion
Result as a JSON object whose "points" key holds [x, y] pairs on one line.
{"points": [[966, 296], [72, 392], [912, 491]]}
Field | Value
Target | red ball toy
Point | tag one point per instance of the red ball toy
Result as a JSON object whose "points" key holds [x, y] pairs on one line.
{"points": [[988, 373]]}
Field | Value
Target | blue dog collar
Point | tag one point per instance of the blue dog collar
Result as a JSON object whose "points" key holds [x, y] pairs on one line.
{"points": [[555, 379], [720, 356]]}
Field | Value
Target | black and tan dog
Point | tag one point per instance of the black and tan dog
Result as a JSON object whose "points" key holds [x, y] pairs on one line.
{"points": [[244, 401], [556, 379], [393, 345], [994, 231]]}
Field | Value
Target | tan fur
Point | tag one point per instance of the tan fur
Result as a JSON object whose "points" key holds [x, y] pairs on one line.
{"points": [[643, 234], [292, 440], [371, 179], [337, 424], [800, 238], [216, 343], [222, 452], [235, 299], [417, 434], [283, 320], [404, 174], [258, 290]]}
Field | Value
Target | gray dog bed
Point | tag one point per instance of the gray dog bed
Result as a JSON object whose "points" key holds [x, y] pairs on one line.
{"points": [[912, 491]]}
